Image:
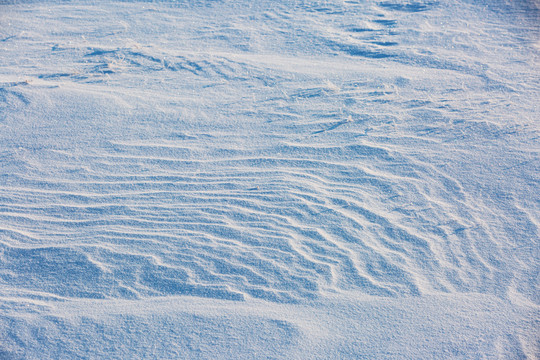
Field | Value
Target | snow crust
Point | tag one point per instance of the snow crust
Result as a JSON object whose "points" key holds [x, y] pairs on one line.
{"points": [[211, 179]]}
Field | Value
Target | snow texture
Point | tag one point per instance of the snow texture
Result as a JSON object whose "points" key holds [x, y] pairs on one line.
{"points": [[285, 179]]}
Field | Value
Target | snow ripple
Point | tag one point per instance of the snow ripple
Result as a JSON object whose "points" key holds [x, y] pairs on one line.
{"points": [[283, 163]]}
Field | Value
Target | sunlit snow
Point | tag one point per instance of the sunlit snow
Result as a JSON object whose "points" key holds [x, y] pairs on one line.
{"points": [[256, 179]]}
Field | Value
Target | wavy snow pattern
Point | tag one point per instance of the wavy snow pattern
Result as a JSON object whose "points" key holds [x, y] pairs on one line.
{"points": [[341, 196], [278, 151]]}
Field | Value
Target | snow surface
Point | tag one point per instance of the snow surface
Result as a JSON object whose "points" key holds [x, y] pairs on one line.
{"points": [[212, 179]]}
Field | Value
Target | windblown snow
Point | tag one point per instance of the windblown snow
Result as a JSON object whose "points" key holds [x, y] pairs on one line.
{"points": [[211, 179]]}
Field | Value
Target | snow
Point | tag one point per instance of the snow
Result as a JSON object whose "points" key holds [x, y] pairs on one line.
{"points": [[213, 179]]}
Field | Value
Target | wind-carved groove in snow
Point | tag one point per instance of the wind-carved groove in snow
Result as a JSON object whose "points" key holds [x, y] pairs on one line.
{"points": [[240, 224], [284, 223], [136, 59], [244, 168]]}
